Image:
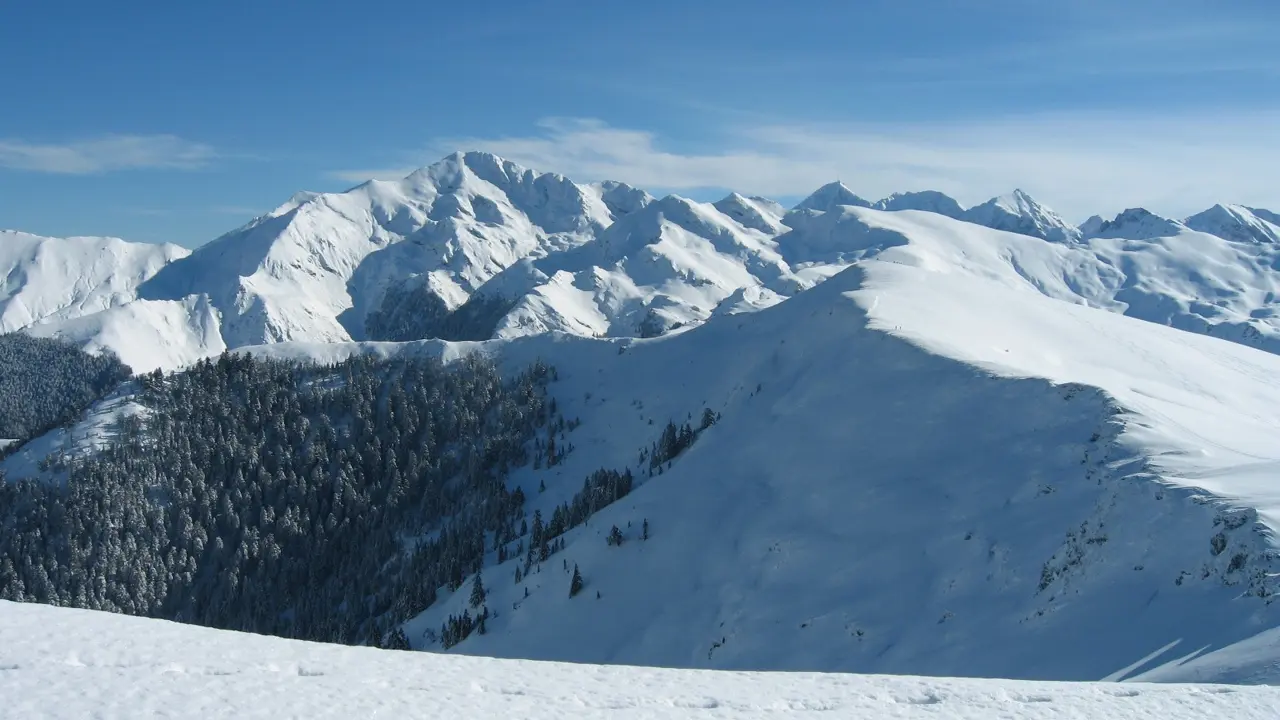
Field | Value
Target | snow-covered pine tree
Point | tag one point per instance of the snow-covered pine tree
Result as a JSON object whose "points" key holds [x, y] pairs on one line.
{"points": [[575, 583]]}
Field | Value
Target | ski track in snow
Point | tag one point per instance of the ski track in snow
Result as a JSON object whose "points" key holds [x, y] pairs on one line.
{"points": [[66, 663]]}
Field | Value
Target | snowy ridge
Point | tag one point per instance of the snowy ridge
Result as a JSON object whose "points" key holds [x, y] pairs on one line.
{"points": [[1137, 224], [1237, 223], [667, 265], [1018, 212], [928, 200], [475, 247], [902, 483], [48, 280], [755, 213], [146, 334], [318, 270], [65, 663]]}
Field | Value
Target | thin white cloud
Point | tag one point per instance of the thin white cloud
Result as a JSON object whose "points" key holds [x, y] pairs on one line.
{"points": [[1078, 163], [105, 154]]}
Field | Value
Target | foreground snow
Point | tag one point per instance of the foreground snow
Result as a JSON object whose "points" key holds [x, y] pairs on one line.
{"points": [[64, 663]]}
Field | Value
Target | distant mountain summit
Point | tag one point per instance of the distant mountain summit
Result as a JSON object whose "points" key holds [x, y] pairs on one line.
{"points": [[756, 213], [1237, 223], [1020, 213], [1138, 224], [927, 200], [830, 196]]}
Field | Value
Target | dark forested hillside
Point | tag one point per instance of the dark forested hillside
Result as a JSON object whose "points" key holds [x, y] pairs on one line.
{"points": [[326, 503], [45, 383]]}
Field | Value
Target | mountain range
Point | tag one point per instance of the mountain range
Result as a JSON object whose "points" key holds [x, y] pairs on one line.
{"points": [[934, 440], [475, 247]]}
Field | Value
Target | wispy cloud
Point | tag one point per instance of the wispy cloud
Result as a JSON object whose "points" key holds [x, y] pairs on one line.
{"points": [[1079, 163], [105, 154]]}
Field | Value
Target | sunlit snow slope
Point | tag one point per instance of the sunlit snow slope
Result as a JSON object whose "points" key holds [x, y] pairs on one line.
{"points": [[64, 663], [940, 461], [384, 259], [46, 280]]}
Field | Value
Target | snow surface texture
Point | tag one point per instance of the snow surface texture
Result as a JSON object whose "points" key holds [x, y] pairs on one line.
{"points": [[476, 247], [1012, 485], [65, 663], [45, 280]]}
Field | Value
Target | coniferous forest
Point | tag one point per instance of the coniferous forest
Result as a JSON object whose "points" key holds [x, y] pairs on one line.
{"points": [[319, 502], [45, 383]]}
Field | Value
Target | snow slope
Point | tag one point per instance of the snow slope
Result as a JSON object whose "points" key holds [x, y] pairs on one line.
{"points": [[146, 334], [64, 663], [48, 280], [1238, 223], [940, 461], [667, 265], [1020, 213], [319, 266], [928, 200]]}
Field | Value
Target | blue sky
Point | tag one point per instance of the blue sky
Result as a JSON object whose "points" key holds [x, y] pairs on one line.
{"points": [[163, 121]]}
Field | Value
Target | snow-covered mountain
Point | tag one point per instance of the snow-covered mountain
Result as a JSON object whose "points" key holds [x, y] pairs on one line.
{"points": [[902, 482], [47, 280], [385, 260], [665, 266], [1137, 224], [476, 247], [941, 448], [831, 196], [1018, 212], [928, 200], [67, 663], [1237, 223]]}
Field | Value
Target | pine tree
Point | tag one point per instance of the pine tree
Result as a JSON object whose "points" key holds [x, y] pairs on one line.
{"points": [[575, 584], [615, 536], [396, 640], [644, 532], [477, 592]]}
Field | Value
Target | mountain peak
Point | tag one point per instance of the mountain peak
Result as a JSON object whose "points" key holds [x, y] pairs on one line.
{"points": [[1020, 213], [831, 195], [1089, 228], [1236, 223], [1139, 224], [755, 213], [927, 200]]}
